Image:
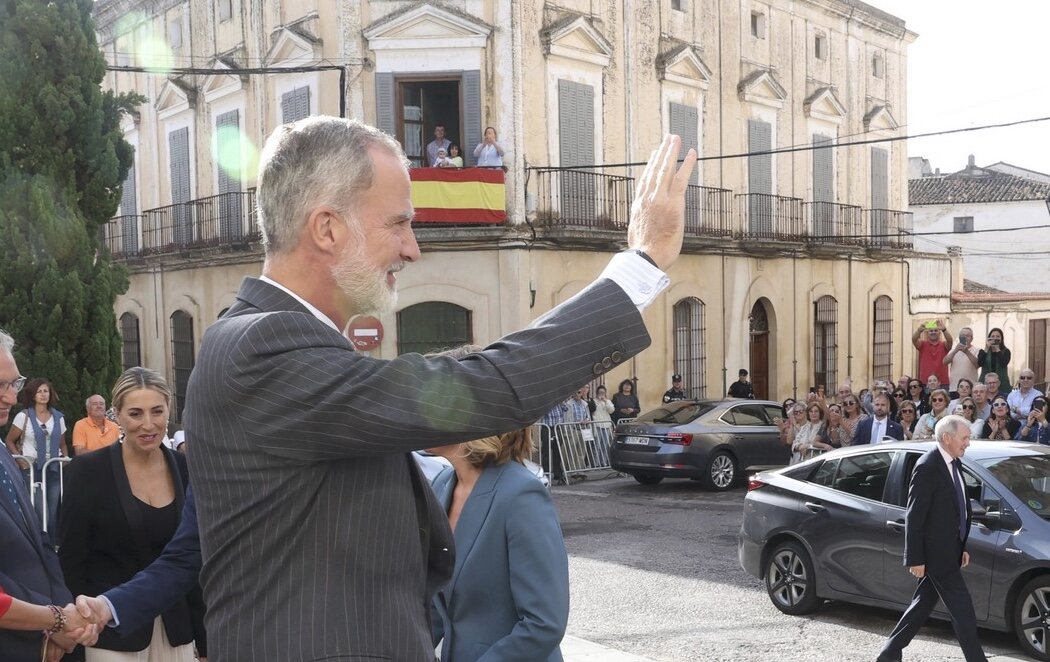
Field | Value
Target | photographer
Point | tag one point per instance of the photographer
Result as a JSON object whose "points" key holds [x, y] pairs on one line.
{"points": [[962, 361], [1036, 429], [995, 357], [933, 348]]}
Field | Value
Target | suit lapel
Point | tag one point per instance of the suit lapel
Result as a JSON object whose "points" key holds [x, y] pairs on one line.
{"points": [[472, 519], [128, 503]]}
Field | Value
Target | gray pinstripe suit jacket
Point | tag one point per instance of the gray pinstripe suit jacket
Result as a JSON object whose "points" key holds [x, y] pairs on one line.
{"points": [[319, 542]]}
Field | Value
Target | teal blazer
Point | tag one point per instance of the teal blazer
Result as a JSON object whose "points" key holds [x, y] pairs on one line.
{"points": [[508, 599]]}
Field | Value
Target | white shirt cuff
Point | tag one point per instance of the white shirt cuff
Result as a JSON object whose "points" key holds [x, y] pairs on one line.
{"points": [[113, 611], [637, 277]]}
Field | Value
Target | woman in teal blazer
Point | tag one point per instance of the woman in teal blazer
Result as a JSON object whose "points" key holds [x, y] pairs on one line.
{"points": [[508, 598]]}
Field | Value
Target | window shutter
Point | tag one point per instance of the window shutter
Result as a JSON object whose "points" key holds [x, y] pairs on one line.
{"points": [[576, 129], [585, 136], [386, 114], [471, 116], [295, 105], [760, 178], [179, 165], [684, 120], [823, 170], [880, 195], [129, 230], [227, 129]]}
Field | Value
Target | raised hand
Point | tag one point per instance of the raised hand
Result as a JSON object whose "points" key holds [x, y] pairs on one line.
{"points": [[658, 211]]}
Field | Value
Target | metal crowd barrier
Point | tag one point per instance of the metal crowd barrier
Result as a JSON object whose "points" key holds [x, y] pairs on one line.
{"points": [[32, 476], [542, 440], [583, 447], [62, 461]]}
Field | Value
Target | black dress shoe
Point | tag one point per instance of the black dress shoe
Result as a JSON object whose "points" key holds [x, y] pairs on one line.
{"points": [[887, 658]]}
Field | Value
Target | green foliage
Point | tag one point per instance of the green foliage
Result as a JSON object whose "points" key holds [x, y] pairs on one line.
{"points": [[63, 160]]}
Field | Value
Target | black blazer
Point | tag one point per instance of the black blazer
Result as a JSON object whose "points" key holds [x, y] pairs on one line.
{"points": [[104, 543], [931, 536]]}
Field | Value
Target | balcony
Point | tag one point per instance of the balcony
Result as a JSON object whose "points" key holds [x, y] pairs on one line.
{"points": [[708, 211], [768, 217], [581, 198], [834, 223], [888, 228], [458, 196], [223, 221]]}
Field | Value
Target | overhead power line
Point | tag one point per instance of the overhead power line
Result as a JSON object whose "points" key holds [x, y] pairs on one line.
{"points": [[811, 147]]}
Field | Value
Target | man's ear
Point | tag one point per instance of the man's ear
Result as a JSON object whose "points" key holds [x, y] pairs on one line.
{"points": [[324, 229]]}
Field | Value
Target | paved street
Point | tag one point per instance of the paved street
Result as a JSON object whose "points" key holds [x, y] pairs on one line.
{"points": [[654, 572]]}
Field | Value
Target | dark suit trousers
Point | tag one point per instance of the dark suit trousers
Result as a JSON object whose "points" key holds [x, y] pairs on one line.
{"points": [[951, 588]]}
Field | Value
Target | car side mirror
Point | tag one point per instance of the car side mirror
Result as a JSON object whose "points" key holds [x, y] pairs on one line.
{"points": [[977, 511]]}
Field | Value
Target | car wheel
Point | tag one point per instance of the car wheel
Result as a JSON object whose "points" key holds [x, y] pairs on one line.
{"points": [[721, 472], [648, 479], [790, 580], [1032, 618]]}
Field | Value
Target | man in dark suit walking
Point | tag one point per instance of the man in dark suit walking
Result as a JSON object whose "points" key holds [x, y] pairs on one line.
{"points": [[936, 529], [319, 537], [875, 428]]}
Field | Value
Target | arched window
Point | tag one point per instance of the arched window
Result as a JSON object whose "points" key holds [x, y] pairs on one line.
{"points": [[433, 326], [182, 359], [690, 350], [882, 339], [131, 352], [825, 343]]}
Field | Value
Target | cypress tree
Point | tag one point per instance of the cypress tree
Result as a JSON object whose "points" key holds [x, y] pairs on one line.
{"points": [[63, 160]]}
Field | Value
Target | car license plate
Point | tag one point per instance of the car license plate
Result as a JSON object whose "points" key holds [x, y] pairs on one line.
{"points": [[636, 441]]}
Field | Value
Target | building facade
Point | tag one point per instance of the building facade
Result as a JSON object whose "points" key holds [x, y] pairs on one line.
{"points": [[797, 265]]}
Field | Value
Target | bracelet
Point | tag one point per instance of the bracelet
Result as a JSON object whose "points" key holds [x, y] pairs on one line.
{"points": [[60, 621]]}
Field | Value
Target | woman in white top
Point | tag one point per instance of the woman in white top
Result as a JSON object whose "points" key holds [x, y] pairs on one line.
{"points": [[488, 152], [39, 433], [807, 438], [965, 388], [938, 410]]}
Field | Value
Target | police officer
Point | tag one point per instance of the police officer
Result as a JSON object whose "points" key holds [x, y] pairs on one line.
{"points": [[675, 393]]}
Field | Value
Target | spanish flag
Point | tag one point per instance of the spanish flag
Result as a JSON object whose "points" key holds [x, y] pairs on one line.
{"points": [[465, 196]]}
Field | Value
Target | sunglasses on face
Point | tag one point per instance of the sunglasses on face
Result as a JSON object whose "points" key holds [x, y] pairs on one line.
{"points": [[970, 407], [914, 385], [850, 403], [907, 411], [898, 394], [938, 400], [1000, 404], [1027, 377]]}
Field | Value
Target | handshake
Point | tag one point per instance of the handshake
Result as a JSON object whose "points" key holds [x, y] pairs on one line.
{"points": [[80, 623]]}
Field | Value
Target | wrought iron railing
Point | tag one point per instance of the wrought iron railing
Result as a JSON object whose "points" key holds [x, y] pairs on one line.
{"points": [[708, 211], [765, 216], [225, 220], [889, 228], [581, 198], [834, 223]]}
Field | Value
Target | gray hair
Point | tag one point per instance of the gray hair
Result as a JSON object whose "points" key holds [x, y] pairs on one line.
{"points": [[7, 343], [949, 425], [87, 402], [317, 161]]}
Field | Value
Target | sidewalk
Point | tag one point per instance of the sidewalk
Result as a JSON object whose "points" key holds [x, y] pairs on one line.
{"points": [[574, 649]]}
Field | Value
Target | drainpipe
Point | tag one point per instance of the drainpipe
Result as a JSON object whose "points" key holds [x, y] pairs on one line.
{"points": [[849, 318], [628, 106], [794, 325]]}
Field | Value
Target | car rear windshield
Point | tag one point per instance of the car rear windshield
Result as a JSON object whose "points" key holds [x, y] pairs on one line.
{"points": [[1027, 476], [676, 413]]}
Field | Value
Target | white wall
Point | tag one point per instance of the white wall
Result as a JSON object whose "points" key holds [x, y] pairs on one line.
{"points": [[1023, 270]]}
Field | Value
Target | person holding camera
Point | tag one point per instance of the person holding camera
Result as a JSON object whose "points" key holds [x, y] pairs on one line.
{"points": [[933, 342], [1036, 428], [1022, 397], [995, 357], [962, 361]]}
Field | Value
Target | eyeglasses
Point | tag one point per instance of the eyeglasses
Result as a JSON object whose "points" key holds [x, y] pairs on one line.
{"points": [[938, 400], [1000, 404], [16, 385], [914, 385], [1027, 377], [850, 403], [898, 394], [907, 411], [970, 407]]}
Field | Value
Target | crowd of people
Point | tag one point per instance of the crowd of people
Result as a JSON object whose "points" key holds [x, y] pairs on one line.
{"points": [[443, 152], [953, 378]]}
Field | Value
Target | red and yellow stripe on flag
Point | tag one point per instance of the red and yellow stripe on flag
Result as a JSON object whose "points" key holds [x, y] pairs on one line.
{"points": [[451, 195]]}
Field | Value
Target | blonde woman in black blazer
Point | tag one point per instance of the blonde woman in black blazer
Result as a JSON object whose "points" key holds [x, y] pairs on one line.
{"points": [[121, 506]]}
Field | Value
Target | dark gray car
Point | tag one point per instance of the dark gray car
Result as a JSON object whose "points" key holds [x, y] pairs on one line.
{"points": [[833, 528], [713, 441]]}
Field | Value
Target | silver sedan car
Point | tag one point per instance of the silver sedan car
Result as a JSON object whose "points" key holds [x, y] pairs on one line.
{"points": [[713, 441]]}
